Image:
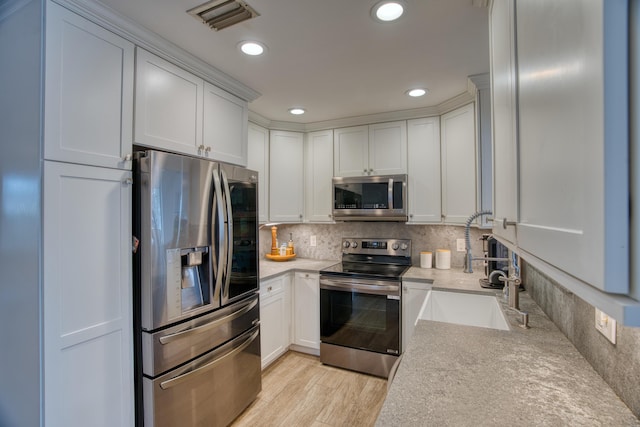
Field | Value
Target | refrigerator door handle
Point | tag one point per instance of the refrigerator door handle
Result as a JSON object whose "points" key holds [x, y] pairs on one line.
{"points": [[204, 328], [229, 236], [185, 377], [220, 224]]}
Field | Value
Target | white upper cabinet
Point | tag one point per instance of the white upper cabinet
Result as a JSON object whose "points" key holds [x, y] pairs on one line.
{"points": [[318, 174], [459, 164], [505, 132], [88, 92], [378, 149], [351, 151], [573, 105], [423, 137], [225, 126], [388, 148], [286, 177], [168, 110], [258, 160]]}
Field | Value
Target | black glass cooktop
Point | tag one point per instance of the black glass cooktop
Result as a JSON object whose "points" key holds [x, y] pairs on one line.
{"points": [[387, 271]]}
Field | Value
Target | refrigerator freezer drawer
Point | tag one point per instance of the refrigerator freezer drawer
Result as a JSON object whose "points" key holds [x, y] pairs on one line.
{"points": [[212, 390], [174, 346]]}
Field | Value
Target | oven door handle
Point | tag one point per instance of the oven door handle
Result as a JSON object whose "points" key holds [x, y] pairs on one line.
{"points": [[365, 289]]}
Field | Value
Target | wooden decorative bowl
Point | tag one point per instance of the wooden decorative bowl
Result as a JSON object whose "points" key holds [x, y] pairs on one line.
{"points": [[280, 257]]}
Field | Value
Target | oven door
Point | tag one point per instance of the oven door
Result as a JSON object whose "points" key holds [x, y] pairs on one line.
{"points": [[362, 314]]}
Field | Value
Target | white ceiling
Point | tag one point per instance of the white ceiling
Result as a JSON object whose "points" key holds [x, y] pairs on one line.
{"points": [[330, 56]]}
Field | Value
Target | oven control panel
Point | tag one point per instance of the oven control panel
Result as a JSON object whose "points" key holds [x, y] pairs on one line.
{"points": [[376, 246]]}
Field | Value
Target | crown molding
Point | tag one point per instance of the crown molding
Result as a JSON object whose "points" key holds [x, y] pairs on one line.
{"points": [[148, 40], [480, 81], [390, 116]]}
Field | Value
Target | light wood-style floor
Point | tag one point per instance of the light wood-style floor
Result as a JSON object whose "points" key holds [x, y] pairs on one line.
{"points": [[297, 390]]}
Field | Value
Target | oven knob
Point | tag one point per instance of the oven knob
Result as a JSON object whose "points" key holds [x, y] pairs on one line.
{"points": [[394, 246], [404, 246], [346, 244], [354, 244]]}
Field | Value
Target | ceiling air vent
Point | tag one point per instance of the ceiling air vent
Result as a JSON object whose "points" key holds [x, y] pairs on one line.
{"points": [[219, 14]]}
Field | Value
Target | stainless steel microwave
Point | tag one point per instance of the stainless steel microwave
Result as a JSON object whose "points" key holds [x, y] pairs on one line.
{"points": [[370, 198]]}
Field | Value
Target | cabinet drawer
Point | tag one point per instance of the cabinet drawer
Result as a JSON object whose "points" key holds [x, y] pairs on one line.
{"points": [[271, 286]]}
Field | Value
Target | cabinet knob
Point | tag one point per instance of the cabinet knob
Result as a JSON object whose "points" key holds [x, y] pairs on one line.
{"points": [[127, 158], [410, 215], [269, 288], [364, 170], [200, 149], [370, 170], [128, 181], [300, 216], [206, 150]]}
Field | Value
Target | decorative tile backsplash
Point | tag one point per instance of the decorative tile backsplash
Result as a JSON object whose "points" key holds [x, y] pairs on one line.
{"points": [[329, 238]]}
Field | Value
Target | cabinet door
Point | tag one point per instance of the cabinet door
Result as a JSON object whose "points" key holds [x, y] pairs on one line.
{"points": [[225, 126], [505, 134], [573, 138], [275, 313], [413, 296], [388, 148], [423, 140], [318, 172], [351, 151], [88, 92], [459, 172], [306, 310], [286, 179], [168, 106], [258, 160], [87, 291]]}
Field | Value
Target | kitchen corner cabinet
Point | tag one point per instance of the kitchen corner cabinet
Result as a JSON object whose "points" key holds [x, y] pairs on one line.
{"points": [[459, 164], [87, 292], [275, 317], [179, 112], [226, 118], [378, 149], [88, 98], [504, 120], [286, 176], [413, 296], [318, 172], [306, 310], [423, 140], [258, 160]]}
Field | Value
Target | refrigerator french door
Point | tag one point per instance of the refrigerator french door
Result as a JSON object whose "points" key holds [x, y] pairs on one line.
{"points": [[195, 289]]}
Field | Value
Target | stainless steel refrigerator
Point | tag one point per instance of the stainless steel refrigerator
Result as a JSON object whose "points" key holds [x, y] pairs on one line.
{"points": [[195, 290]]}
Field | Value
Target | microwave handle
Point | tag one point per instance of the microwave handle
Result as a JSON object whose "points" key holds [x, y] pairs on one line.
{"points": [[390, 194]]}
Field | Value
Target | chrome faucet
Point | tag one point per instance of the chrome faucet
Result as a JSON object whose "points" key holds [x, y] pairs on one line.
{"points": [[511, 291]]}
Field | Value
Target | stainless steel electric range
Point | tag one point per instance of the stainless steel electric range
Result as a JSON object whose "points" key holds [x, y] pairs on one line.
{"points": [[360, 305]]}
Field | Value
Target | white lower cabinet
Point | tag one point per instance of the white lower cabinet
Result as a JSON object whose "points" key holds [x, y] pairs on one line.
{"points": [[275, 317], [87, 291], [413, 295], [306, 310]]}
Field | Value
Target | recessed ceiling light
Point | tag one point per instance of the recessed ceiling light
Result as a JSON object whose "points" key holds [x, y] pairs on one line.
{"points": [[417, 92], [386, 10], [252, 48], [297, 111]]}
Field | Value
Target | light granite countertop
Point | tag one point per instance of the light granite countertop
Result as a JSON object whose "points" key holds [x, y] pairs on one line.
{"points": [[269, 269], [454, 375]]}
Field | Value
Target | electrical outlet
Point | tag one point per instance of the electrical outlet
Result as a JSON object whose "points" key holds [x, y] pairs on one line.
{"points": [[460, 245], [606, 325], [312, 241]]}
